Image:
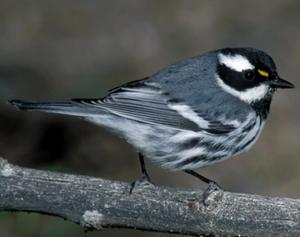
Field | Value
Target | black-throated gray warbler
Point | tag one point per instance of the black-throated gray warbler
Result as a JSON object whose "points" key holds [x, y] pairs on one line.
{"points": [[191, 114]]}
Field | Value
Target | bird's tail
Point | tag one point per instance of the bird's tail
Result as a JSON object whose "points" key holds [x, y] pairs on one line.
{"points": [[68, 108]]}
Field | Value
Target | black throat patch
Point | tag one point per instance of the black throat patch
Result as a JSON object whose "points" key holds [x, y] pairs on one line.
{"points": [[262, 107]]}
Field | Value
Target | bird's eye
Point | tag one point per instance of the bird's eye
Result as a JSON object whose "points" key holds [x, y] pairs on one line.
{"points": [[249, 75]]}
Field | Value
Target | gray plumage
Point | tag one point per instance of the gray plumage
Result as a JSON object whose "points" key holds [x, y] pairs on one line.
{"points": [[183, 117]]}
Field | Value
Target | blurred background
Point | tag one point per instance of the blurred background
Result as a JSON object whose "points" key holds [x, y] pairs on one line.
{"points": [[55, 50]]}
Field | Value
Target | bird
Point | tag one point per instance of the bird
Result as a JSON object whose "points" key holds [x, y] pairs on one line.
{"points": [[191, 114]]}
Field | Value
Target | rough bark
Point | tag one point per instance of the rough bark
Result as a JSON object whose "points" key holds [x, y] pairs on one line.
{"points": [[97, 203]]}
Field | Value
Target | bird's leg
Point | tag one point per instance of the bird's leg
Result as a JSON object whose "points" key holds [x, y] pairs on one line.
{"points": [[212, 185], [145, 177]]}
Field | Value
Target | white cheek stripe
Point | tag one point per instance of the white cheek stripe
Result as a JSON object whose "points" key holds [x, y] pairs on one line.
{"points": [[249, 95], [235, 62]]}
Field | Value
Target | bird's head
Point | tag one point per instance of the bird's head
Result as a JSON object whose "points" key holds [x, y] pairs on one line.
{"points": [[248, 73]]}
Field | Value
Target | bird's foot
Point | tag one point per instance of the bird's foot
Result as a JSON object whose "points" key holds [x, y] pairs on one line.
{"points": [[213, 186], [212, 195], [143, 181]]}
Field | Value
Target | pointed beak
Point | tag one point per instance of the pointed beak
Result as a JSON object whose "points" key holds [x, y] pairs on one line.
{"points": [[280, 83]]}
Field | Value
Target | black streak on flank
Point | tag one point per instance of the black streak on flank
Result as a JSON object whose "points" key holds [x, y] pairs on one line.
{"points": [[193, 160]]}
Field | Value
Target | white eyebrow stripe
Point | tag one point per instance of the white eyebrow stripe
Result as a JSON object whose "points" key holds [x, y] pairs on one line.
{"points": [[236, 62]]}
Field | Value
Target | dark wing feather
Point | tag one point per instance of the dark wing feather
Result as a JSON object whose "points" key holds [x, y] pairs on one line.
{"points": [[146, 103]]}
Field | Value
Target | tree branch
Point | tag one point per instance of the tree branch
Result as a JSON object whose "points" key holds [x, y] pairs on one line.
{"points": [[97, 203]]}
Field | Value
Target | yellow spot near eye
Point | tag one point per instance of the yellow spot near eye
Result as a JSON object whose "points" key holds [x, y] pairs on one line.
{"points": [[263, 73]]}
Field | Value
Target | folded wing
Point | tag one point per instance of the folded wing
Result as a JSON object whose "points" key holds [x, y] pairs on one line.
{"points": [[147, 103]]}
